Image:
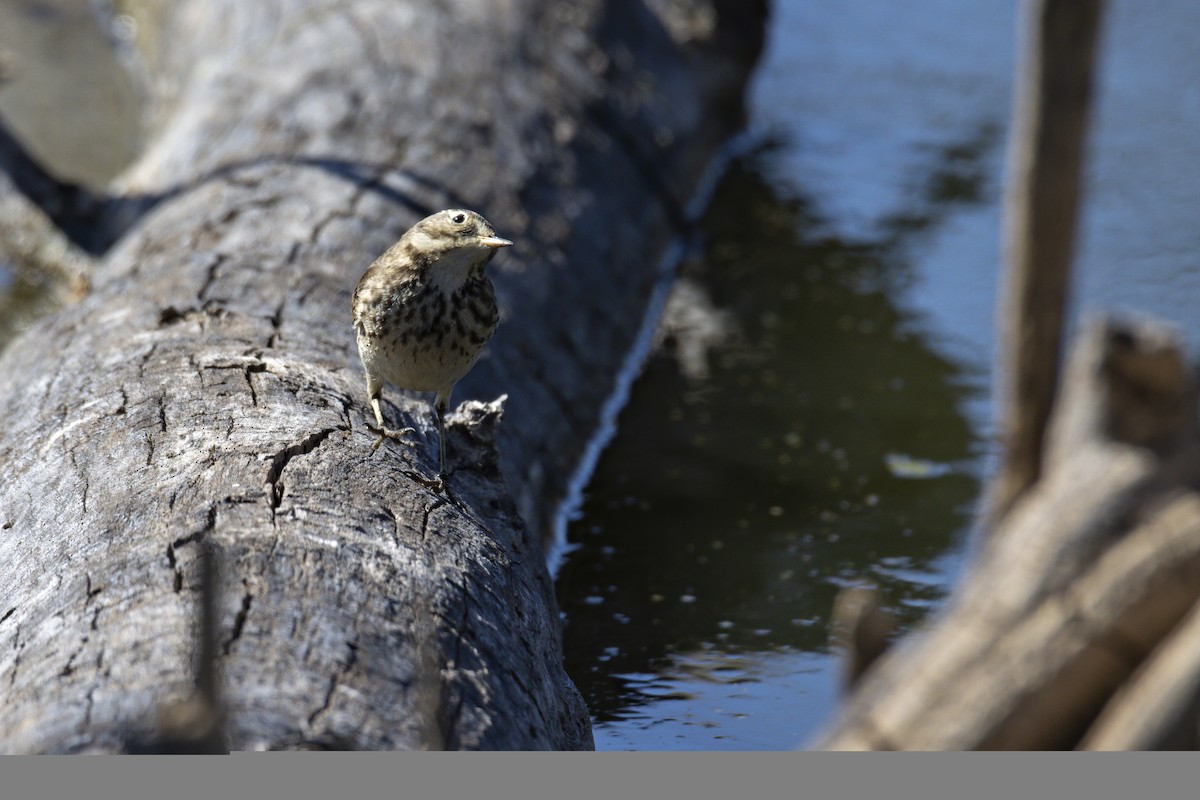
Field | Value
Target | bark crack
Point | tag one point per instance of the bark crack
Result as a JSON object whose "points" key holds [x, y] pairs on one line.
{"points": [[83, 497], [69, 668], [19, 647], [334, 679], [247, 368], [391, 517], [276, 317], [87, 710], [210, 277], [274, 485], [239, 622], [432, 507], [453, 717], [247, 371], [210, 525], [89, 592]]}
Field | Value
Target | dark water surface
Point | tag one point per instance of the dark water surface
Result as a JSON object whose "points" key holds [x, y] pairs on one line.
{"points": [[825, 444], [830, 440]]}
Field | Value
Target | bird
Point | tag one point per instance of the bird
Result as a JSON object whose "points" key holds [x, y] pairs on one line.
{"points": [[423, 312]]}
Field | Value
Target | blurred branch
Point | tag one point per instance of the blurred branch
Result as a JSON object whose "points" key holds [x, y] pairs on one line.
{"points": [[862, 629], [69, 207], [35, 246], [1041, 206], [195, 724]]}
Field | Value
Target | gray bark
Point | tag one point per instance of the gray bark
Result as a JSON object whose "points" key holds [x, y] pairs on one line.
{"points": [[206, 394]]}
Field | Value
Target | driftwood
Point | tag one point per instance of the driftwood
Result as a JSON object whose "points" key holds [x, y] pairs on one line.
{"points": [[1159, 707], [205, 397], [1077, 588], [1041, 208]]}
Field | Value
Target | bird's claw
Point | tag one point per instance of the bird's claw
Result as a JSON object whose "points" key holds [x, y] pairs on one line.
{"points": [[388, 433], [434, 484]]}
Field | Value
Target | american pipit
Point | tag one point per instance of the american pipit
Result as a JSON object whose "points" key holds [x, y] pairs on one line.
{"points": [[424, 310]]}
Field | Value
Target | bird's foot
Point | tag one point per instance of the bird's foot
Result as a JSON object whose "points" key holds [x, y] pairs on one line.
{"points": [[434, 484], [388, 433]]}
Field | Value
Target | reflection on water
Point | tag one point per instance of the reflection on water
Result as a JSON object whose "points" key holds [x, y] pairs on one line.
{"points": [[726, 701], [820, 442]]}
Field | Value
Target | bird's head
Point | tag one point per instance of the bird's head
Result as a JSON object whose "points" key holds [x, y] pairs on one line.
{"points": [[460, 235]]}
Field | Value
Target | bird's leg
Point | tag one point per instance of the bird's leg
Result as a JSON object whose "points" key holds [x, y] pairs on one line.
{"points": [[443, 401], [437, 483], [384, 433]]}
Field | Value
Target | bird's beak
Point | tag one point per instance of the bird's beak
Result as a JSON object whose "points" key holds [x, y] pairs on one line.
{"points": [[494, 242]]}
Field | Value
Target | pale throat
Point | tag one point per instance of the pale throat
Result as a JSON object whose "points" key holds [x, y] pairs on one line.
{"points": [[454, 267]]}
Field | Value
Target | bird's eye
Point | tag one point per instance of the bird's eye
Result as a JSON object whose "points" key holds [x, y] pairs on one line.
{"points": [[459, 219]]}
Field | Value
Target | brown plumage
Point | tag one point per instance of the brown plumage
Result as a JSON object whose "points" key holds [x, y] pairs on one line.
{"points": [[424, 310]]}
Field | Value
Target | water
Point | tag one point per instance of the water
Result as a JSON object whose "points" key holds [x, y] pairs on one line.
{"points": [[819, 442], [831, 421]]}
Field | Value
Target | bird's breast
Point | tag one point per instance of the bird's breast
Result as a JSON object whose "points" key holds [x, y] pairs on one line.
{"points": [[423, 337]]}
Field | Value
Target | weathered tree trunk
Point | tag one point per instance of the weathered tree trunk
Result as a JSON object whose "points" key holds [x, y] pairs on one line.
{"points": [[206, 394]]}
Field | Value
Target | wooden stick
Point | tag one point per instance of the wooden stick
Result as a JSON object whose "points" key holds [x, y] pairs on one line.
{"points": [[1041, 207]]}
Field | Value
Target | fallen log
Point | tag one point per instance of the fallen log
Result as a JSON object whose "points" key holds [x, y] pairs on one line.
{"points": [[205, 396]]}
